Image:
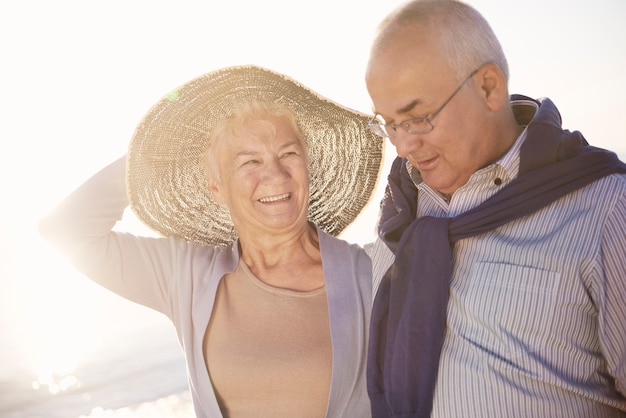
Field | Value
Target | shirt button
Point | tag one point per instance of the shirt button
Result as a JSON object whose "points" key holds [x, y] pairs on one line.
{"points": [[497, 181]]}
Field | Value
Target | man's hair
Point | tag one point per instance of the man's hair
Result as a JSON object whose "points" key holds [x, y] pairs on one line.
{"points": [[464, 36], [252, 118]]}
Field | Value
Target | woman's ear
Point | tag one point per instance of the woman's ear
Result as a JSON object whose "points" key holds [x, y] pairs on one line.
{"points": [[214, 187], [211, 174], [492, 82]]}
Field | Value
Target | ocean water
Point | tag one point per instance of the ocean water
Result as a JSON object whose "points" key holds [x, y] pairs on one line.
{"points": [[71, 349], [139, 378]]}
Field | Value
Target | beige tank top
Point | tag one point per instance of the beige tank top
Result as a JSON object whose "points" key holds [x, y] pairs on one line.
{"points": [[268, 350]]}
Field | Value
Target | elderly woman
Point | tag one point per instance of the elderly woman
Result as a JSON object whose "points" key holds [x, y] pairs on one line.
{"points": [[247, 175]]}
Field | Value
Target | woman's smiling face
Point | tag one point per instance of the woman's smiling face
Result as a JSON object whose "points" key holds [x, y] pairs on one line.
{"points": [[264, 179]]}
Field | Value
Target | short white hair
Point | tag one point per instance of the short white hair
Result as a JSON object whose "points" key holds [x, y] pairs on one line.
{"points": [[464, 36]]}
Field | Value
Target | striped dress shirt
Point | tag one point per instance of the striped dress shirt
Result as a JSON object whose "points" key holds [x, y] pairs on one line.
{"points": [[536, 320]]}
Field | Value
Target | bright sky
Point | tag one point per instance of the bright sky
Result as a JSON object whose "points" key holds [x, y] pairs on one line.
{"points": [[78, 75]]}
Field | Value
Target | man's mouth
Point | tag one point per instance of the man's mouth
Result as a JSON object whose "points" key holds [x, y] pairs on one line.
{"points": [[424, 163]]}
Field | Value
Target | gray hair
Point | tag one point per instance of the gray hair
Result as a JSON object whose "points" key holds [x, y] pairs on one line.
{"points": [[252, 118], [463, 34]]}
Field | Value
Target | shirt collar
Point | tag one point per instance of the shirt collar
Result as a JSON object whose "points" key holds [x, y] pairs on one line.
{"points": [[524, 111]]}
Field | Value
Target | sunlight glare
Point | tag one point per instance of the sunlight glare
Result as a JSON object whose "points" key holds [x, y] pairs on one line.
{"points": [[58, 321], [55, 382]]}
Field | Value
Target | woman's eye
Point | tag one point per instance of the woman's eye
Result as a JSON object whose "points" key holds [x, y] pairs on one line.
{"points": [[290, 153]]}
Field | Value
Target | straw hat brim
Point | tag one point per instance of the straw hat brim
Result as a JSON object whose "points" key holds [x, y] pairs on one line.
{"points": [[166, 183]]}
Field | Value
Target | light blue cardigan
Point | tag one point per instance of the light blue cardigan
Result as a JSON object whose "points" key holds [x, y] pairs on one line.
{"points": [[180, 279]]}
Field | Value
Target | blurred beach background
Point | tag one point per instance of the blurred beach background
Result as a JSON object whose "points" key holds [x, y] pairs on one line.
{"points": [[78, 75]]}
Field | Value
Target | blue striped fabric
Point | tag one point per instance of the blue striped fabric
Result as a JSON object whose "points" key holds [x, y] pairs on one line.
{"points": [[537, 310]]}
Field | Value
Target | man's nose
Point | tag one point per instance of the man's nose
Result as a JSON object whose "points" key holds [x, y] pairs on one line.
{"points": [[404, 142]]}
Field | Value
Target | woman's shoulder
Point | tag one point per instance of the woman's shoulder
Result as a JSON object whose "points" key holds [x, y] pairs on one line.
{"points": [[328, 241]]}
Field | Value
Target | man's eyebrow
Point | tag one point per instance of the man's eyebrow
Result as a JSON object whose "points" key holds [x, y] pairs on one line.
{"points": [[405, 109], [409, 107]]}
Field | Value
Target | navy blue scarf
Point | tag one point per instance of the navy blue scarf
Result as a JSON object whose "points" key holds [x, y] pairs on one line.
{"points": [[409, 313]]}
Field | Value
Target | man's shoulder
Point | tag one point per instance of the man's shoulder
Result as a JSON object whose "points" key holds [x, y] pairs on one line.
{"points": [[611, 185]]}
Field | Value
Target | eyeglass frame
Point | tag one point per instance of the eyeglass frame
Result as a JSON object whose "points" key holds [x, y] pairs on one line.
{"points": [[380, 129]]}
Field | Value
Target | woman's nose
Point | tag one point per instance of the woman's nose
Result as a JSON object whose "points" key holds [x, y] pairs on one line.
{"points": [[276, 171]]}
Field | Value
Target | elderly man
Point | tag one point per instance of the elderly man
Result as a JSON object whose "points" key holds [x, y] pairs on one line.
{"points": [[507, 236]]}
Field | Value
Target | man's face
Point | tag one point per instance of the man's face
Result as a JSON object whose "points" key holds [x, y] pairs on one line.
{"points": [[410, 79]]}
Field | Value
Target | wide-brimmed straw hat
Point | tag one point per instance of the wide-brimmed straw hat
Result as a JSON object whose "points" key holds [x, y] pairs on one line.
{"points": [[166, 183]]}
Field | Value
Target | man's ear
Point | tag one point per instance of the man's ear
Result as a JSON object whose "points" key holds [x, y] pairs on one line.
{"points": [[492, 82]]}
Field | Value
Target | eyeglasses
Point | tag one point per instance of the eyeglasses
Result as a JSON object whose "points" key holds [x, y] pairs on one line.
{"points": [[414, 126]]}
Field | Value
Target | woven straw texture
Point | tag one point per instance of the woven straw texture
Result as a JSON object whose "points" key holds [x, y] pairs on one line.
{"points": [[167, 186]]}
